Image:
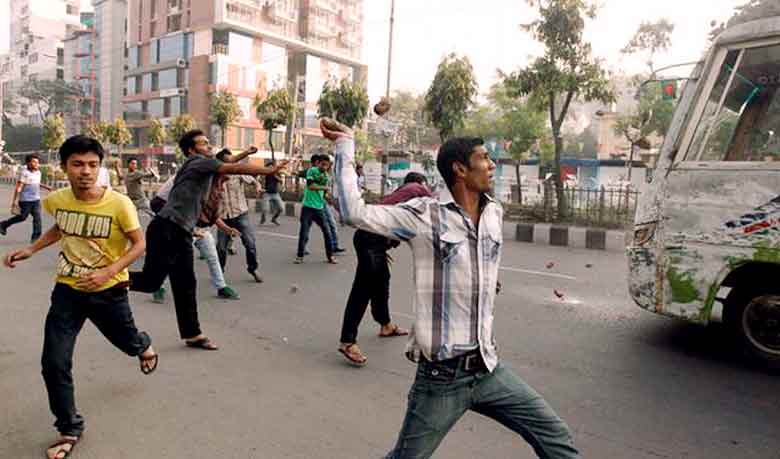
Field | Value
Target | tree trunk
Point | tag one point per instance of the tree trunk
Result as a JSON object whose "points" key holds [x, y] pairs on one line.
{"points": [[271, 144], [224, 129], [519, 183], [560, 196]]}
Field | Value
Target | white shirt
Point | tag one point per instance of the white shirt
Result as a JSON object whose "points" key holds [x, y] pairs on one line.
{"points": [[455, 263]]}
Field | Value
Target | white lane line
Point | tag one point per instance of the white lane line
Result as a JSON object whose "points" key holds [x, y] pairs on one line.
{"points": [[538, 273], [514, 270], [269, 233]]}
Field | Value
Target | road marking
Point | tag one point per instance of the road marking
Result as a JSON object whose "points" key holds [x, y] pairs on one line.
{"points": [[504, 268], [538, 273], [286, 236]]}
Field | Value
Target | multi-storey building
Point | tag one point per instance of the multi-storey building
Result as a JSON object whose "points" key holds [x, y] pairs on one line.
{"points": [[36, 33], [81, 67], [182, 51], [111, 47]]}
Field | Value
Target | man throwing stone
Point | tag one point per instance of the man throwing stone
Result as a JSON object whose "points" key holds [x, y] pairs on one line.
{"points": [[456, 244]]}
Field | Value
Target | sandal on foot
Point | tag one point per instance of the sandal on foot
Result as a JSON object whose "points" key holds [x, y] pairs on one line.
{"points": [[153, 358], [354, 355], [59, 444], [202, 343], [396, 331]]}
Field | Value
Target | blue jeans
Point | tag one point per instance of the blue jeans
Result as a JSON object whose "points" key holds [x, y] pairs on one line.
{"points": [[273, 204], [331, 223], [309, 216], [441, 395], [27, 208], [208, 249], [242, 224]]}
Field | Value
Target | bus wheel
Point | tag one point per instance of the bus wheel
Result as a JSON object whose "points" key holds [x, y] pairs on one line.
{"points": [[754, 317]]}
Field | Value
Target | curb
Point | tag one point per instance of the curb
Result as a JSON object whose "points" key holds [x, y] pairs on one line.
{"points": [[571, 236]]}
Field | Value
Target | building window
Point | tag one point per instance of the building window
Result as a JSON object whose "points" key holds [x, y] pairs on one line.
{"points": [[174, 23], [147, 81], [138, 84], [249, 136], [60, 74], [156, 108], [171, 48], [153, 9], [70, 9], [168, 79], [238, 137], [155, 82], [134, 111], [33, 58], [130, 86], [139, 32], [153, 28]]}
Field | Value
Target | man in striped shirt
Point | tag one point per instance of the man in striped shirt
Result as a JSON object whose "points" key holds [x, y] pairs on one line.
{"points": [[456, 244]]}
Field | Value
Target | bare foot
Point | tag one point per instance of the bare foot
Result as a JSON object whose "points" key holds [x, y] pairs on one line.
{"points": [[62, 448]]}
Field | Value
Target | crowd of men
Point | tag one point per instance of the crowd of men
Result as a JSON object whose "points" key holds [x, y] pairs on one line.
{"points": [[456, 242]]}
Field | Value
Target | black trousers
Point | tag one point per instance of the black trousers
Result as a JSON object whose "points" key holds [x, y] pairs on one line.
{"points": [[371, 284], [169, 254], [110, 311]]}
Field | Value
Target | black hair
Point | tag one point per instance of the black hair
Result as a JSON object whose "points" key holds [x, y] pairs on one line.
{"points": [[315, 158], [80, 144], [326, 158], [187, 141], [457, 150], [222, 153], [415, 177], [30, 157]]}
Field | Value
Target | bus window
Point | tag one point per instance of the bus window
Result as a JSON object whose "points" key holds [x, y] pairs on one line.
{"points": [[744, 126]]}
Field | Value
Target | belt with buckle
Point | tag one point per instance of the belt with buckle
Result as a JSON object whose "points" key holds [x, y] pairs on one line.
{"points": [[470, 362]]}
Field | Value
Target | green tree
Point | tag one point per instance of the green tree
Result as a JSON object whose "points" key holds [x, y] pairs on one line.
{"points": [[119, 135], [451, 95], [53, 133], [749, 11], [650, 39], [407, 113], [364, 150], [156, 133], [275, 110], [50, 96], [223, 111], [565, 72], [100, 131], [345, 101], [180, 125]]}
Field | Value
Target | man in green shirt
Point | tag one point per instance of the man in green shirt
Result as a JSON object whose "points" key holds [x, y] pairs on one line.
{"points": [[313, 205]]}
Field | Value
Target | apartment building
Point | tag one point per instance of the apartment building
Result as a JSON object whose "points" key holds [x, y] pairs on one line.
{"points": [[81, 66], [111, 47], [36, 33], [181, 51]]}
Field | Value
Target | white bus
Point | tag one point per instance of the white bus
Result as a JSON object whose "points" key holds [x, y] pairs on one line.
{"points": [[706, 241]]}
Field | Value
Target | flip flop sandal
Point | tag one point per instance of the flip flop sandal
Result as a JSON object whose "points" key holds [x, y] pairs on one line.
{"points": [[149, 370], [397, 331], [202, 343], [62, 442], [351, 356]]}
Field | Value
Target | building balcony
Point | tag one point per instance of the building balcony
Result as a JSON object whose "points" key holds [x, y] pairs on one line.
{"points": [[348, 40], [349, 16], [326, 6], [279, 15], [220, 48]]}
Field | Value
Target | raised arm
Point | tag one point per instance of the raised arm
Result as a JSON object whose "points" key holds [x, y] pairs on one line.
{"points": [[250, 169], [395, 222], [240, 157]]}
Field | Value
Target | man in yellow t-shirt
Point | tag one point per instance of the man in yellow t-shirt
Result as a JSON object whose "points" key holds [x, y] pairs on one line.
{"points": [[93, 225]]}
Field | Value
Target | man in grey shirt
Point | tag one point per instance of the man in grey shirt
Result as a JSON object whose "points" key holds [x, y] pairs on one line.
{"points": [[169, 235], [134, 183]]}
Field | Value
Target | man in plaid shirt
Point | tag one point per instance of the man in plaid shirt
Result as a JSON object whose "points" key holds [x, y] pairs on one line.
{"points": [[456, 243]]}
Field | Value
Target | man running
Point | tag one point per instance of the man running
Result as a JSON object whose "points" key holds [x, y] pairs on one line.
{"points": [[456, 246], [312, 208], [94, 226], [169, 234], [134, 184], [27, 197], [272, 200]]}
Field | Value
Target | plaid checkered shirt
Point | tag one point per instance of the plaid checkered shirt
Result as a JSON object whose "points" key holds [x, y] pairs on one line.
{"points": [[455, 263]]}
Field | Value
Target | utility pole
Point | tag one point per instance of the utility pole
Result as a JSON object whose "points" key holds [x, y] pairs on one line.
{"points": [[290, 135], [387, 95]]}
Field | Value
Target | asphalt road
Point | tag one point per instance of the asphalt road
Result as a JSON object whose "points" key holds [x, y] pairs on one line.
{"points": [[629, 383]]}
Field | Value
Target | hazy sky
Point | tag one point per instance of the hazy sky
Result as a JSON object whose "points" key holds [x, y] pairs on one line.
{"points": [[488, 32]]}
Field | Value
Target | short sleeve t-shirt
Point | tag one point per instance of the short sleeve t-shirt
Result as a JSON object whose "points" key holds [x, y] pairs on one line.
{"points": [[271, 184], [93, 233], [190, 187], [134, 184], [31, 185], [314, 199]]}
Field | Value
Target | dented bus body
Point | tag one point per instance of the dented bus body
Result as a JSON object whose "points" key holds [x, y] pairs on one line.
{"points": [[706, 240]]}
